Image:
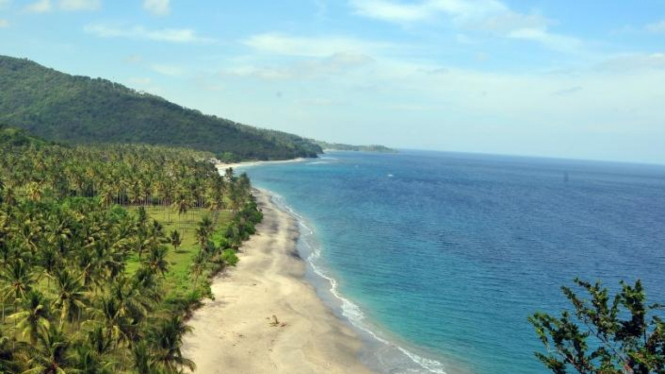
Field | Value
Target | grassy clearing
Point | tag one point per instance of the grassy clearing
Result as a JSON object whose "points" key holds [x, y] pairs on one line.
{"points": [[178, 278]]}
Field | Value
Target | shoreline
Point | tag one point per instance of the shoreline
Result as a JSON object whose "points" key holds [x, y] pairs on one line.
{"points": [[236, 332], [222, 166]]}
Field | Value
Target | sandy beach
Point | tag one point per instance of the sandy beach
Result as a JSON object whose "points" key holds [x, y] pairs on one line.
{"points": [[221, 166], [236, 333]]}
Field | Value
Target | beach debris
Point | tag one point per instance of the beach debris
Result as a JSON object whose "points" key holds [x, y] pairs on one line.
{"points": [[275, 322]]}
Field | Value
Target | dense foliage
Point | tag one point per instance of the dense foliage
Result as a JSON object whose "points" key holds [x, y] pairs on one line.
{"points": [[604, 335], [85, 283], [74, 109]]}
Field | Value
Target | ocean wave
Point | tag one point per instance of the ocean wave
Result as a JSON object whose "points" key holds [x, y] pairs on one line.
{"points": [[350, 310]]}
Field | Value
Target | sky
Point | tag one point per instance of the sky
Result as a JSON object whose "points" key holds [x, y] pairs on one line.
{"points": [[557, 78]]}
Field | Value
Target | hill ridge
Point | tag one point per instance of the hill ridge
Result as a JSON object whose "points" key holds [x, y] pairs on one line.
{"points": [[78, 109]]}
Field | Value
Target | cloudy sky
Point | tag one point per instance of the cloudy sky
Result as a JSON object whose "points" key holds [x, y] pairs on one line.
{"points": [[562, 78]]}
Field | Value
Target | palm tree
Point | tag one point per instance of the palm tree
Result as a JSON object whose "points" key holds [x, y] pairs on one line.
{"points": [[99, 341], [9, 196], [71, 296], [107, 195], [175, 240], [51, 355], [182, 203], [19, 281], [156, 260], [199, 265], [204, 231], [142, 359], [87, 361], [109, 311], [34, 316], [49, 261], [8, 355], [166, 341], [34, 191]]}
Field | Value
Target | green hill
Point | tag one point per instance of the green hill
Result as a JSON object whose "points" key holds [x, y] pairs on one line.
{"points": [[75, 109]]}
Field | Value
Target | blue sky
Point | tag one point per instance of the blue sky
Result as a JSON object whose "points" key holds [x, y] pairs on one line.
{"points": [[575, 79]]}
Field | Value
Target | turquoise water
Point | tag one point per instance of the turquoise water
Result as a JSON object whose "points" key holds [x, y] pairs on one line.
{"points": [[443, 256]]}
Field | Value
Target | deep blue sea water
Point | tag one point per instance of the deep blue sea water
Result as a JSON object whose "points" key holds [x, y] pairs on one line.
{"points": [[445, 255]]}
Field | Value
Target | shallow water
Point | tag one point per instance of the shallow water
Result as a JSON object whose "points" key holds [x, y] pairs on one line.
{"points": [[443, 256]]}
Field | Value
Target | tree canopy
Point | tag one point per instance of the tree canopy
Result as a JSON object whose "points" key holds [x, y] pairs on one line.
{"points": [[622, 334], [88, 281]]}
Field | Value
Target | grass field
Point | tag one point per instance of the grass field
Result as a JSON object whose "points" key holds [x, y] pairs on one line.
{"points": [[178, 280]]}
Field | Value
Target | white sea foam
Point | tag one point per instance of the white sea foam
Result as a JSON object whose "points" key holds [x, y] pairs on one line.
{"points": [[350, 310]]}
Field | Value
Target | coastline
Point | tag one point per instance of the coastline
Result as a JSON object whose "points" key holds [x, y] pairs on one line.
{"points": [[222, 166], [235, 332]]}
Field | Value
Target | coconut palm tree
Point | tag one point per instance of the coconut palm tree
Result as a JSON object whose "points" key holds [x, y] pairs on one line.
{"points": [[99, 341], [175, 240], [166, 343], [33, 315], [142, 360], [52, 353], [71, 296], [182, 203], [87, 361], [18, 279], [199, 264], [49, 261], [9, 351], [156, 260], [204, 231], [34, 191]]}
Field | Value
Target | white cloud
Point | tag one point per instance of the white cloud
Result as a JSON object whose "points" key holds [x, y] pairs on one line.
{"points": [[338, 63], [182, 36], [634, 62], [311, 46], [40, 6], [75, 5], [44, 6], [460, 10], [556, 42], [168, 70], [390, 11], [658, 27], [4, 23], [489, 16], [508, 21], [157, 7]]}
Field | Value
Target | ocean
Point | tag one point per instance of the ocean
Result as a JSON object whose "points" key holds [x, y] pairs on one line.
{"points": [[438, 259]]}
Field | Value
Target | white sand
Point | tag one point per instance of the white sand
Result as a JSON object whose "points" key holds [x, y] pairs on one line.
{"points": [[221, 166], [233, 334]]}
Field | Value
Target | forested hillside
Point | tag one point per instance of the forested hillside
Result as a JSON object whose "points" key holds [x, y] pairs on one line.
{"points": [[74, 109]]}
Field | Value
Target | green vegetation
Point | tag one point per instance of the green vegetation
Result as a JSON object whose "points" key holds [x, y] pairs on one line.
{"points": [[355, 148], [17, 137], [104, 250], [79, 110], [604, 335]]}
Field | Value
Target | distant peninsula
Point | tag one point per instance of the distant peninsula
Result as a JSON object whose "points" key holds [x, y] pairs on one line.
{"points": [[355, 148]]}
